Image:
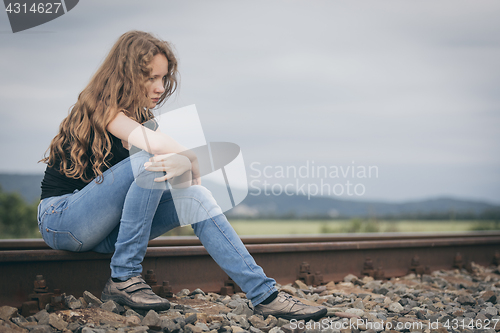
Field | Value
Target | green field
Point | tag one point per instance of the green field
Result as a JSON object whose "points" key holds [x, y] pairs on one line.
{"points": [[297, 227]]}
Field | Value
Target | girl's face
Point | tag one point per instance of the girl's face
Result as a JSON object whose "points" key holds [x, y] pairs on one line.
{"points": [[155, 83]]}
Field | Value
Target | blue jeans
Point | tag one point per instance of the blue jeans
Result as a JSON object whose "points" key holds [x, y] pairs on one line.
{"points": [[121, 214]]}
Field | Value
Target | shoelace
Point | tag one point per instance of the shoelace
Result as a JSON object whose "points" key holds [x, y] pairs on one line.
{"points": [[290, 298]]}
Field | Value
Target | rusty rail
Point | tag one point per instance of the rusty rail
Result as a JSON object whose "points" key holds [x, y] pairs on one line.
{"points": [[39, 244], [185, 264]]}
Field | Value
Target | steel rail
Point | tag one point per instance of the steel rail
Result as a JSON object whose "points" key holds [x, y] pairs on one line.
{"points": [[37, 243], [184, 265]]}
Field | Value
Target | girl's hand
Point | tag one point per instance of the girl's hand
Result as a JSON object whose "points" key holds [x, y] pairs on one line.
{"points": [[174, 165], [195, 169]]}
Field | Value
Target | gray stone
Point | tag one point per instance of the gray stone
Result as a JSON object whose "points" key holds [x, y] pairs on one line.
{"points": [[421, 315], [131, 312], [203, 326], [191, 319], [469, 315], [31, 319], [198, 291], [481, 317], [356, 312], [395, 307], [215, 325], [42, 317], [19, 320], [372, 284], [169, 325], [7, 312], [91, 299], [151, 319], [234, 303], [242, 309], [254, 330], [489, 296], [72, 303], [350, 278], [41, 329], [101, 329], [282, 322], [257, 321], [491, 310], [382, 291], [190, 328], [83, 302], [358, 305], [412, 304], [240, 319], [189, 309], [112, 306], [466, 300], [225, 329], [181, 321], [73, 326], [56, 322], [183, 293], [276, 330]]}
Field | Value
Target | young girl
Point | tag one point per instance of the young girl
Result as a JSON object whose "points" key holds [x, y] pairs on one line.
{"points": [[98, 196]]}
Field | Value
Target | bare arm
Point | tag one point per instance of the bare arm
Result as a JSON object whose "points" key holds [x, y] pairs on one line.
{"points": [[154, 142]]}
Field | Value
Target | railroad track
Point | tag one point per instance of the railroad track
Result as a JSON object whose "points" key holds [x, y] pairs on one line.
{"points": [[184, 263]]}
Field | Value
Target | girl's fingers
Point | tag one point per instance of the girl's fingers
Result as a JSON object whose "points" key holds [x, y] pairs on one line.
{"points": [[157, 158], [164, 178], [159, 168]]}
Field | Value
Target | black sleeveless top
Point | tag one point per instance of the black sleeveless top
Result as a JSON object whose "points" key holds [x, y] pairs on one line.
{"points": [[55, 184]]}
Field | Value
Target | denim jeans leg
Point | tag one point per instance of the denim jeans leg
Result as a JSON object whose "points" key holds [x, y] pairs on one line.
{"points": [[87, 219], [226, 248], [139, 208], [165, 219], [128, 208], [217, 236]]}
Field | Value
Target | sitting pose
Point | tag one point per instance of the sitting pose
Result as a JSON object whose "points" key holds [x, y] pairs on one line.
{"points": [[99, 196]]}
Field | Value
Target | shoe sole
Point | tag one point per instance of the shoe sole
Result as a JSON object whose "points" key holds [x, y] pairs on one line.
{"points": [[123, 301], [311, 316]]}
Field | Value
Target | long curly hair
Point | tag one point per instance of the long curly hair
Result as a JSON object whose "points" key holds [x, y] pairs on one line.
{"points": [[118, 85]]}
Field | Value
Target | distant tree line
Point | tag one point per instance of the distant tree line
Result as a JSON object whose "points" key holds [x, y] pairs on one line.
{"points": [[17, 218]]}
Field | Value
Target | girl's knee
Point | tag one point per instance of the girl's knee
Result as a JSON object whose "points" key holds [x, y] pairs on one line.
{"points": [[143, 177], [200, 191], [195, 204]]}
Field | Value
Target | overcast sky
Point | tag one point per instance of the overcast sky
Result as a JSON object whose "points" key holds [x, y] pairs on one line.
{"points": [[410, 87]]}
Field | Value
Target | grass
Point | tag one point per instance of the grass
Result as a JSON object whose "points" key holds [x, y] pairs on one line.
{"points": [[274, 227], [297, 227]]}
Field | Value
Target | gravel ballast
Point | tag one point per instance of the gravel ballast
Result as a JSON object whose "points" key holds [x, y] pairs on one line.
{"points": [[444, 301]]}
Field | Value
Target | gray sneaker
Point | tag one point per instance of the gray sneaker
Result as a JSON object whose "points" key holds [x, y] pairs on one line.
{"points": [[135, 293], [287, 307]]}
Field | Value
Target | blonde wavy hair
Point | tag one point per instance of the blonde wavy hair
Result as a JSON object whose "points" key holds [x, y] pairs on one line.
{"points": [[118, 85]]}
